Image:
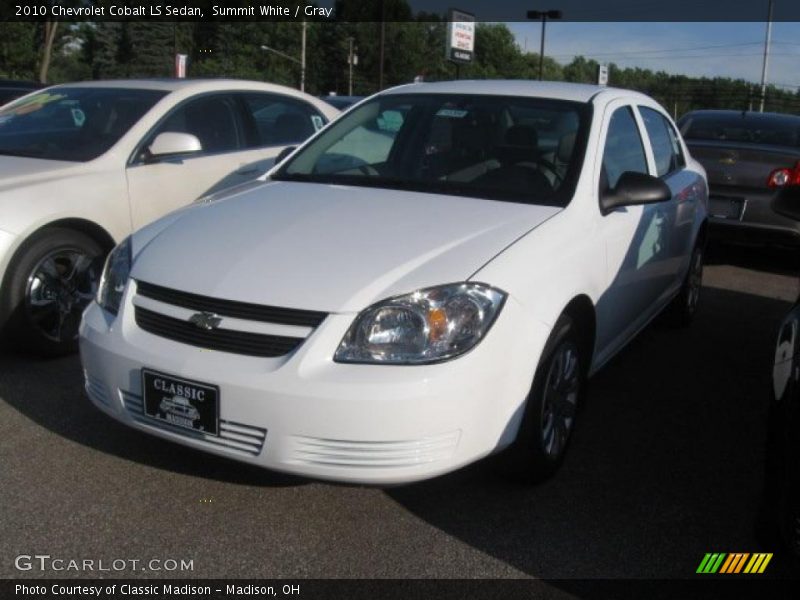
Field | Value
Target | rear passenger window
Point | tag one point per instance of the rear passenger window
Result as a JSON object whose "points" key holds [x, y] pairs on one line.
{"points": [[273, 120], [623, 151], [664, 140]]}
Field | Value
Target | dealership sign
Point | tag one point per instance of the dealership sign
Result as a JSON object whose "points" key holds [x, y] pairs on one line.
{"points": [[460, 43]]}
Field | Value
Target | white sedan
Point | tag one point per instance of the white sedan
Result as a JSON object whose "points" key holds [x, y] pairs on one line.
{"points": [[84, 164], [429, 280]]}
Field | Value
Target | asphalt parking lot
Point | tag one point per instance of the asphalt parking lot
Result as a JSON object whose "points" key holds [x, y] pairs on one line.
{"points": [[664, 467]]}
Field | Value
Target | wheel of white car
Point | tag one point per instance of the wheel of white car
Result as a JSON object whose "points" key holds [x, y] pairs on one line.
{"points": [[52, 279], [681, 312], [551, 407]]}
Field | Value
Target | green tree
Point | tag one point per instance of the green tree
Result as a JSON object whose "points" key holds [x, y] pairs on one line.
{"points": [[18, 50]]}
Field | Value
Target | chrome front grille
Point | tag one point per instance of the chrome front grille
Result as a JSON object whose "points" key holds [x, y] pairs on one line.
{"points": [[224, 340], [240, 328], [397, 454], [231, 308], [96, 389], [240, 438]]}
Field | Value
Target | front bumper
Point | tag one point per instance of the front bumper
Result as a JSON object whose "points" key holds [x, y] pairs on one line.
{"points": [[305, 414], [6, 244]]}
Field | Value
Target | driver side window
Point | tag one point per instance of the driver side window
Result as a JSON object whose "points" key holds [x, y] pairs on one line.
{"points": [[623, 150], [211, 119]]}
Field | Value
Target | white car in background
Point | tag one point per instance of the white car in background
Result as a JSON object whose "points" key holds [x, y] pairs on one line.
{"points": [[429, 280], [84, 164]]}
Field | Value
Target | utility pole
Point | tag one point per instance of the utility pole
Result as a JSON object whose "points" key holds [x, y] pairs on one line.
{"points": [[543, 15], [350, 57], [383, 42], [303, 57], [765, 64]]}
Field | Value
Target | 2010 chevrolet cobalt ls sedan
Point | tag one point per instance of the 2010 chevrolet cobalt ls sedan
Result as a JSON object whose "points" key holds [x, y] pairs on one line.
{"points": [[429, 280]]}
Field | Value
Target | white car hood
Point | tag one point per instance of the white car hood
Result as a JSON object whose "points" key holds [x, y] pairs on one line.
{"points": [[326, 247], [17, 171]]}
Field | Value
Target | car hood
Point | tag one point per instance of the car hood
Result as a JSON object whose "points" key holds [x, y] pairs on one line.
{"points": [[17, 171], [327, 247]]}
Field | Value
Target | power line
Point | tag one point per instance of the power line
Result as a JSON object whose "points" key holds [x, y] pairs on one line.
{"points": [[660, 50]]}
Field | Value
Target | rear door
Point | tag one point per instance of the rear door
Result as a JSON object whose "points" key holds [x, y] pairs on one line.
{"points": [[676, 217]]}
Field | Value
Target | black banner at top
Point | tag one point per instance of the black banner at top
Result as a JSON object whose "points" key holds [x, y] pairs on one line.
{"points": [[397, 10]]}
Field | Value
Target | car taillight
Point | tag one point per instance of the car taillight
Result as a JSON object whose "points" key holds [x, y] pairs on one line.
{"points": [[784, 177]]}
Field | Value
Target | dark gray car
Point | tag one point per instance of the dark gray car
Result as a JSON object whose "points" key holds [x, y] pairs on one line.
{"points": [[747, 156]]}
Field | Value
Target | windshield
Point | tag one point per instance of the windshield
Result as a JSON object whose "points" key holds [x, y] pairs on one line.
{"points": [[74, 124], [505, 148]]}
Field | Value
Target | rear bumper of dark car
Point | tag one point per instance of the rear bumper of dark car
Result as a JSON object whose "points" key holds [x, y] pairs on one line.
{"points": [[746, 216]]}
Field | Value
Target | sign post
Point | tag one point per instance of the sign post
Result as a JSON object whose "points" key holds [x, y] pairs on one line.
{"points": [[180, 65], [602, 74], [460, 42]]}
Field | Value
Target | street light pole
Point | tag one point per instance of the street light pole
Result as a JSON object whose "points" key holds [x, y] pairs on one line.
{"points": [[301, 61], [303, 58], [543, 15], [765, 64]]}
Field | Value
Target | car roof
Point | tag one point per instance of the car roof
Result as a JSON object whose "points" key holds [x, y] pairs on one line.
{"points": [[171, 85], [745, 115], [557, 90]]}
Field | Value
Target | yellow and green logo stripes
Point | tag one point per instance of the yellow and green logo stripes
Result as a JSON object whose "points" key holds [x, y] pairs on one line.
{"points": [[736, 562]]}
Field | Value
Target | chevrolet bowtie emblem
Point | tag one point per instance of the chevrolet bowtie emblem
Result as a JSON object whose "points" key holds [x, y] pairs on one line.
{"points": [[205, 320]]}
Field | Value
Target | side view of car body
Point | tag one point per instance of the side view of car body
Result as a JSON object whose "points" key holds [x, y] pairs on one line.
{"points": [[428, 281], [84, 164], [782, 489], [747, 157]]}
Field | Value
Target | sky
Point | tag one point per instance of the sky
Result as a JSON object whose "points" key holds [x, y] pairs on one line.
{"points": [[697, 49]]}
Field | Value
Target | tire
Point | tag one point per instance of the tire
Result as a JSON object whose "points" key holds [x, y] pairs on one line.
{"points": [[551, 407], [682, 309], [50, 281], [780, 505], [789, 514]]}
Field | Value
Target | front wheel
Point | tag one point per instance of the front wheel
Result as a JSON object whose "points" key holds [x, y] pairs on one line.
{"points": [[51, 281], [551, 407]]}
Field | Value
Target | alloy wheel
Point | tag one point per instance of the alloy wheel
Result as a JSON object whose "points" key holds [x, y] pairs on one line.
{"points": [[560, 400], [59, 287], [695, 281]]}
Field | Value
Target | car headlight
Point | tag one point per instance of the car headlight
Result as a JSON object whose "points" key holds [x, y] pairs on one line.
{"points": [[426, 326], [115, 276]]}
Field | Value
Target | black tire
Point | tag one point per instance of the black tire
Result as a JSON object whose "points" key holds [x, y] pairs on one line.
{"points": [[790, 514], [782, 477], [551, 407], [49, 283], [682, 309]]}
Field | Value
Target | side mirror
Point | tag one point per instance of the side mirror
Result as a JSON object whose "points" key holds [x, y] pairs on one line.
{"points": [[284, 153], [633, 189], [787, 202], [171, 143]]}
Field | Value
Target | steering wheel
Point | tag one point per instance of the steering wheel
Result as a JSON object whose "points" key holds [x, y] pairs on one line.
{"points": [[368, 170]]}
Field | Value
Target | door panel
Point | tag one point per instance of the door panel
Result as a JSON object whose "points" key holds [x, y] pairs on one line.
{"points": [[633, 234], [679, 212], [156, 188]]}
